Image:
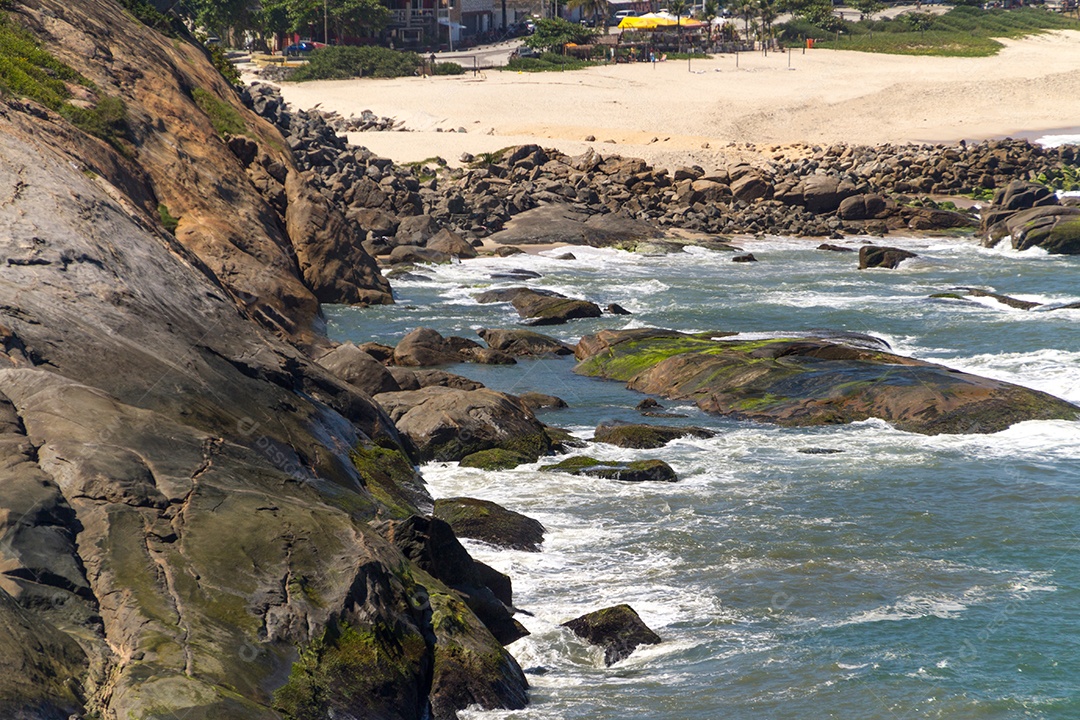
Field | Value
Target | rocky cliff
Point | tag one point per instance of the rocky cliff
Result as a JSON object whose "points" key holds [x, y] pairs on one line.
{"points": [[196, 520]]}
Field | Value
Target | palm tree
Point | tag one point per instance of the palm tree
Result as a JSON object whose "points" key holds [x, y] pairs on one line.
{"points": [[592, 8], [747, 10], [678, 8], [766, 10]]}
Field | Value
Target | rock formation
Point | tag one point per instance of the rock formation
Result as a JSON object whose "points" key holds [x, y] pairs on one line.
{"points": [[186, 501], [811, 381]]}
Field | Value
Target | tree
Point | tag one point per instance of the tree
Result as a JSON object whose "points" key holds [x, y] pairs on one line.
{"points": [[353, 17], [745, 10], [766, 10], [920, 21], [347, 17], [552, 34], [709, 11], [592, 8], [867, 8], [678, 8]]}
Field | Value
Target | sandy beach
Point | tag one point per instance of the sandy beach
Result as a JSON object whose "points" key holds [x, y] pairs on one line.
{"points": [[706, 111]]}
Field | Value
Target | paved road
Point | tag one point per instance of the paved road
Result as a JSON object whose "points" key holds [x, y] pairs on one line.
{"points": [[484, 55]]}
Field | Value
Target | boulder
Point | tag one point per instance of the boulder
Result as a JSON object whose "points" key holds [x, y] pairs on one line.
{"points": [[494, 459], [546, 310], [523, 342], [751, 186], [616, 309], [414, 379], [1054, 228], [862, 207], [415, 254], [430, 544], [557, 224], [448, 424], [872, 256], [927, 218], [491, 523], [821, 194], [508, 294], [835, 248], [537, 401], [632, 471], [798, 381], [618, 630], [357, 368], [747, 258], [450, 243], [416, 230], [329, 250], [425, 347], [643, 437]]}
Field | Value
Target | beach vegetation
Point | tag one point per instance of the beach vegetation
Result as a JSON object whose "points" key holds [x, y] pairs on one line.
{"points": [[341, 62], [963, 31], [223, 116], [548, 62], [552, 35], [167, 220], [447, 68], [27, 70]]}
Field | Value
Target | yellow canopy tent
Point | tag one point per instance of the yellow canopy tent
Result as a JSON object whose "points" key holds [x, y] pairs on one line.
{"points": [[652, 21]]}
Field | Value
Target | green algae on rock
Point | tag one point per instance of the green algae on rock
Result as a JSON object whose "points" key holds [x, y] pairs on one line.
{"points": [[633, 471], [490, 522], [811, 381]]}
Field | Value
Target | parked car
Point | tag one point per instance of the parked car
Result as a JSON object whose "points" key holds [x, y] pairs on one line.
{"points": [[304, 47]]}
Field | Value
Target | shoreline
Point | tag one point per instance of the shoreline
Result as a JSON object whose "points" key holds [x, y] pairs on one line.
{"points": [[715, 114]]}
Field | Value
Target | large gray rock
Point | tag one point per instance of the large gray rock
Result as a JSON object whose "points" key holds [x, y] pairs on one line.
{"points": [[219, 483], [448, 424], [1055, 228], [523, 342], [356, 367], [872, 256]]}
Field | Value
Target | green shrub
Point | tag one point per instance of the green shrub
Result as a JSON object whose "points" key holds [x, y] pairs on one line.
{"points": [[448, 68], [341, 62], [167, 219], [223, 116], [107, 120], [547, 62], [221, 62], [28, 71], [148, 15]]}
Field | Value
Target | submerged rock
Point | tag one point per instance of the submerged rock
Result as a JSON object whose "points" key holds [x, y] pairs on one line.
{"points": [[494, 459], [523, 342], [618, 630], [871, 256], [633, 471], [491, 523], [644, 437], [811, 381]]}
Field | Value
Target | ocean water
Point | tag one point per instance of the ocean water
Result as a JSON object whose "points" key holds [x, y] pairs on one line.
{"points": [[905, 577]]}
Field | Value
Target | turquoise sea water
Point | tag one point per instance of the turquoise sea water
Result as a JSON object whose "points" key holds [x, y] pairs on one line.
{"points": [[906, 577]]}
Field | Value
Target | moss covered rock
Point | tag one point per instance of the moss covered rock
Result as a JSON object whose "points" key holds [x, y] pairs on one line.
{"points": [[634, 471], [450, 424], [491, 523], [799, 381], [494, 459], [618, 630], [643, 437]]}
